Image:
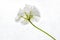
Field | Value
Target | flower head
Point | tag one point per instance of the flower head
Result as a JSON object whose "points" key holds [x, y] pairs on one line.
{"points": [[28, 13]]}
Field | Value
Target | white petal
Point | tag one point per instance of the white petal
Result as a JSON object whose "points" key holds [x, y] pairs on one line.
{"points": [[35, 18], [17, 18], [20, 13], [24, 22], [27, 8], [35, 12]]}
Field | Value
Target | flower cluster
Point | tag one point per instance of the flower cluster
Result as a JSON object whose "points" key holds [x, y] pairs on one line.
{"points": [[28, 13]]}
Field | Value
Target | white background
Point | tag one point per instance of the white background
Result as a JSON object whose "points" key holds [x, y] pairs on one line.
{"points": [[49, 20]]}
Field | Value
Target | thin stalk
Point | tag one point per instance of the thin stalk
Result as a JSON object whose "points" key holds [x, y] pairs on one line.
{"points": [[42, 30]]}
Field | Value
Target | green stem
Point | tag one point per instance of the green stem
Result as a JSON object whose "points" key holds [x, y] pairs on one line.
{"points": [[42, 30]]}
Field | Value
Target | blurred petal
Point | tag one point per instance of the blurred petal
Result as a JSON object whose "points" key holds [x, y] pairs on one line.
{"points": [[24, 22], [17, 18], [20, 13], [35, 12], [35, 18], [27, 8]]}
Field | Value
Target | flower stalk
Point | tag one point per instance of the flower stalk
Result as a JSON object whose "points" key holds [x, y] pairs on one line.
{"points": [[42, 31]]}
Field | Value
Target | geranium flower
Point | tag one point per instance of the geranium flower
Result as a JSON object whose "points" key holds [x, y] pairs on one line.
{"points": [[28, 14]]}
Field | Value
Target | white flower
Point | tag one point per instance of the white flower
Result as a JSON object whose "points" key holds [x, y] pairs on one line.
{"points": [[28, 13]]}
